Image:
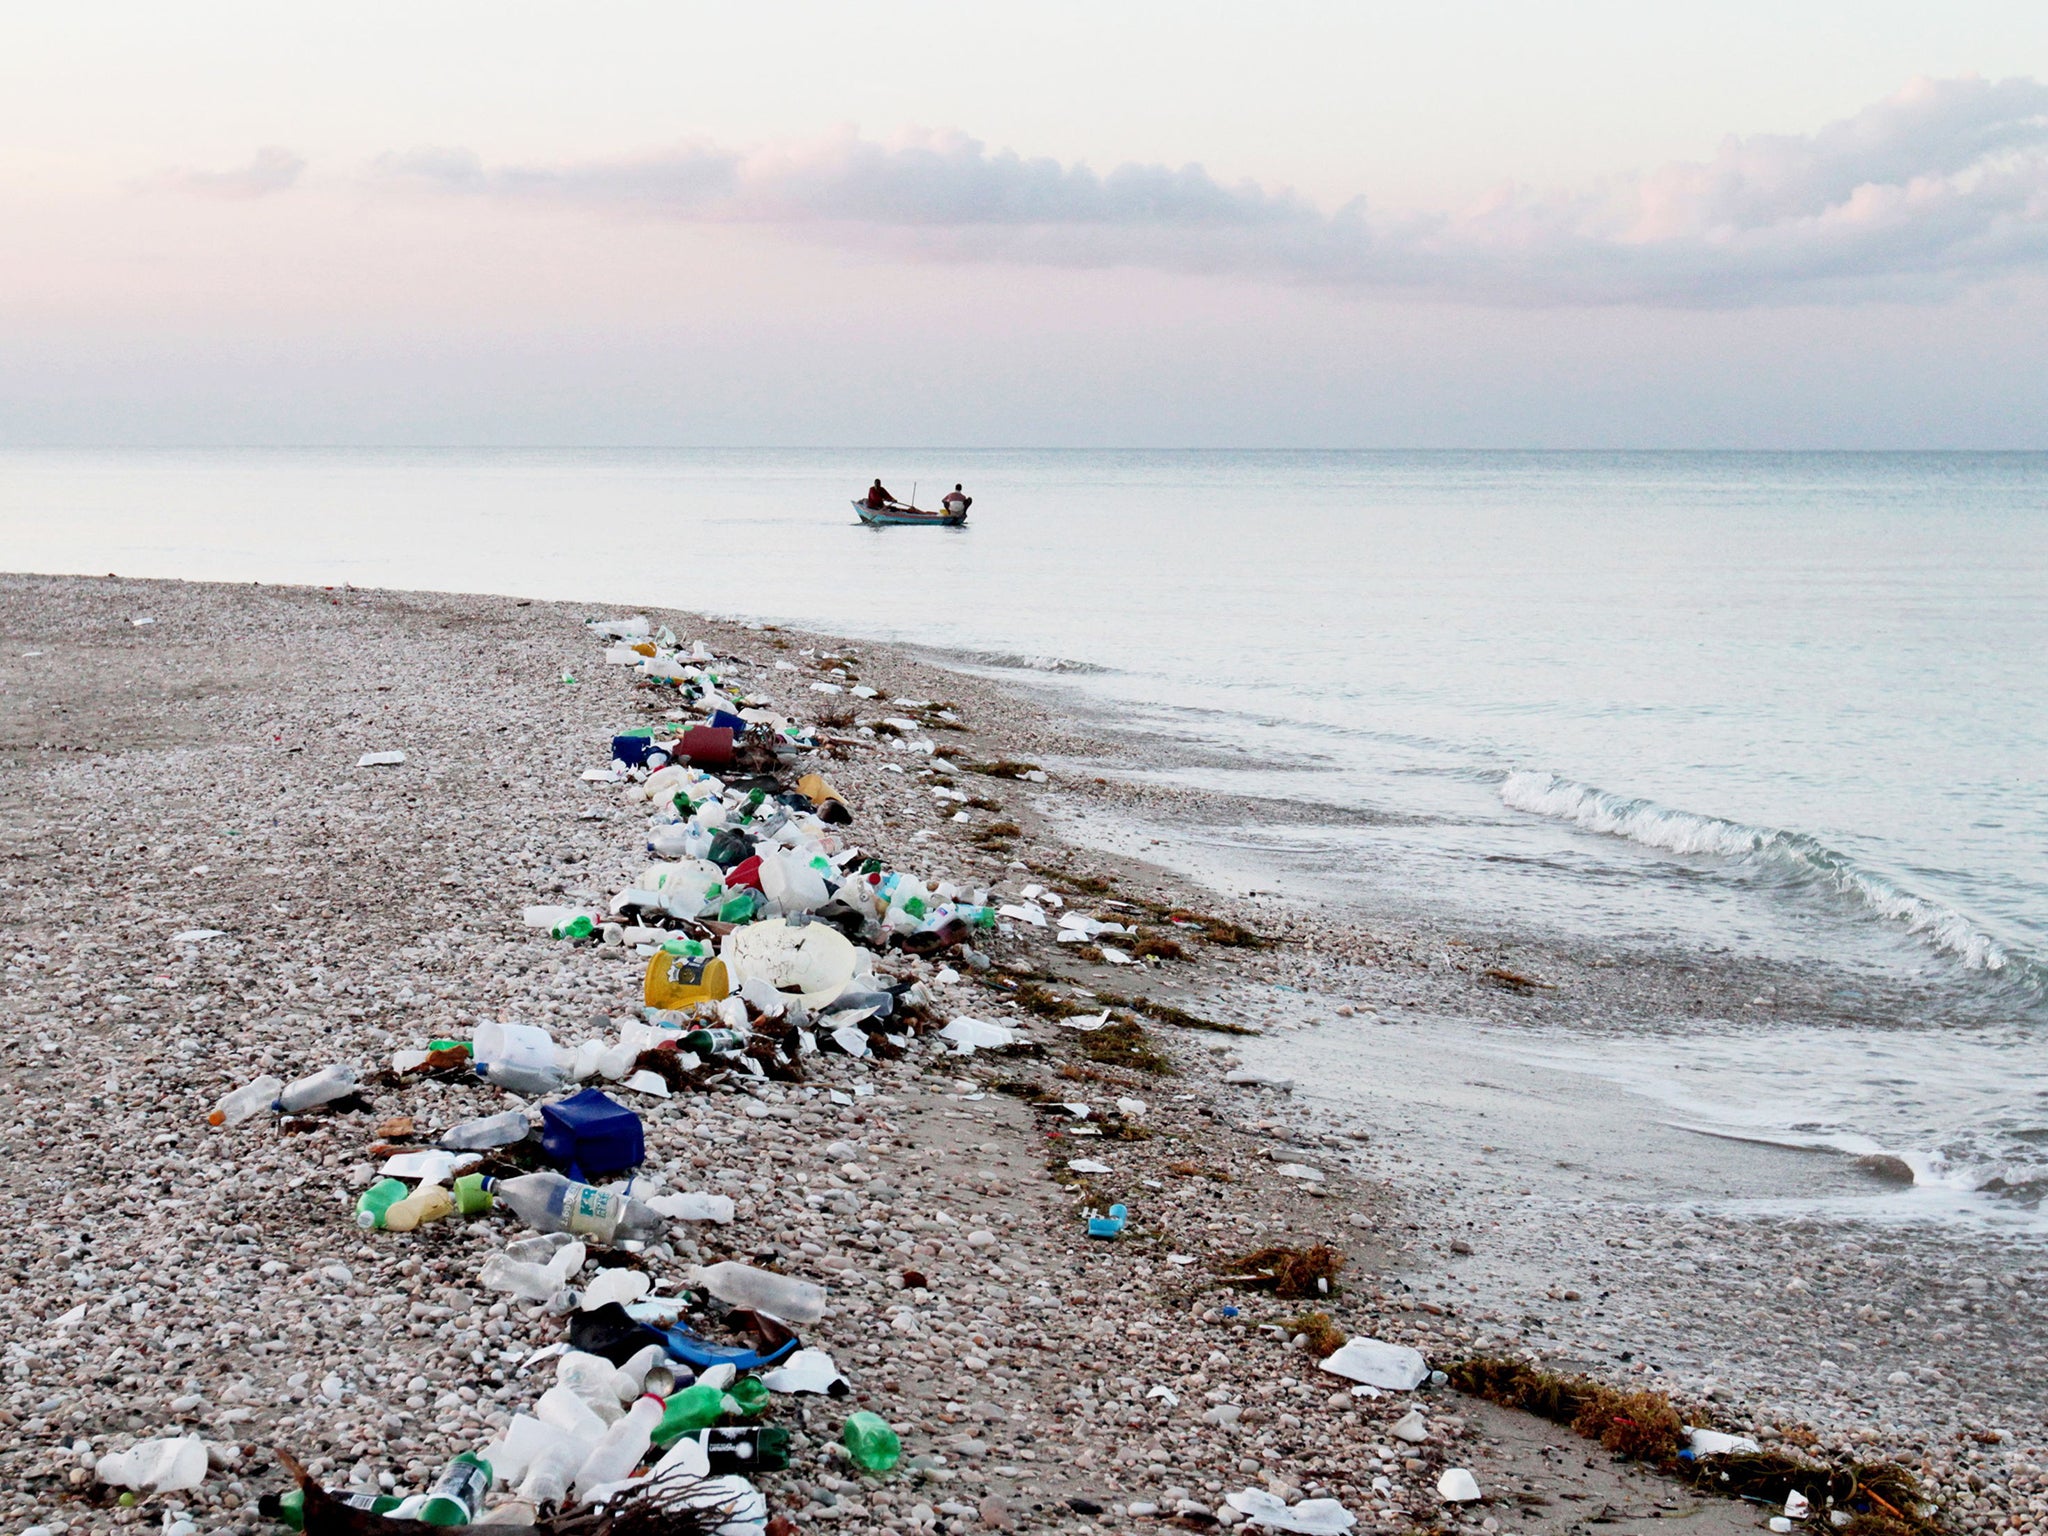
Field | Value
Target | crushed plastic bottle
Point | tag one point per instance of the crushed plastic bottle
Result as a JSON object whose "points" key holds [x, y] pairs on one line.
{"points": [[552, 1202], [519, 1057], [533, 1279], [322, 1087], [161, 1466], [251, 1099], [375, 1203], [487, 1131], [742, 1285], [871, 1442]]}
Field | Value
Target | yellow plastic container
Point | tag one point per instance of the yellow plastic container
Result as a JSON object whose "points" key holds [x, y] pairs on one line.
{"points": [[683, 981]]}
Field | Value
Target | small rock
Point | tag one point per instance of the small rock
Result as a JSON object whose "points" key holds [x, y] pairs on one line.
{"points": [[1458, 1486]]}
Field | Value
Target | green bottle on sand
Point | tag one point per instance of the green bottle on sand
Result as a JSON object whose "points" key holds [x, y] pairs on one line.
{"points": [[871, 1441], [458, 1493], [376, 1200], [688, 1411]]}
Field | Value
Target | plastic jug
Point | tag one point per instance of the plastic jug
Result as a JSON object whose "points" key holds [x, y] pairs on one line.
{"points": [[683, 981]]}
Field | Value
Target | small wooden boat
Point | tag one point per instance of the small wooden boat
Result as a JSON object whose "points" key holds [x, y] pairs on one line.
{"points": [[906, 517]]}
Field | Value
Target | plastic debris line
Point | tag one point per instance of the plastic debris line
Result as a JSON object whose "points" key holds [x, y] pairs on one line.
{"points": [[760, 920]]}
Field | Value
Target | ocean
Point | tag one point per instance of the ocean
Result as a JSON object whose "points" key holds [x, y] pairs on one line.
{"points": [[1785, 704]]}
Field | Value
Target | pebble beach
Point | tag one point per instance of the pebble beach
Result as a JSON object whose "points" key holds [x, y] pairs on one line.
{"points": [[182, 759]]}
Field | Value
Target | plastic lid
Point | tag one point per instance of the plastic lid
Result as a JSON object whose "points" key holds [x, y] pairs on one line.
{"points": [[473, 1194]]}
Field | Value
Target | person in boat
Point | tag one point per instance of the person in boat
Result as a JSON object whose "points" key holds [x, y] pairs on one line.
{"points": [[878, 497], [957, 500]]}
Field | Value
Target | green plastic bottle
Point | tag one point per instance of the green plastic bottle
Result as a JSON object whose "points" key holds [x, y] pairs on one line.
{"points": [[749, 1395], [376, 1200], [873, 1443], [578, 927], [740, 906], [688, 1411], [451, 1045], [458, 1492], [291, 1506]]}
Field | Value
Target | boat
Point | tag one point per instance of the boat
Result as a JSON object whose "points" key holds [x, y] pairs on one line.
{"points": [[906, 517]]}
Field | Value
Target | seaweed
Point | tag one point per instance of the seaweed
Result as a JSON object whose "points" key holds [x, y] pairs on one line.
{"points": [[1167, 1013], [1325, 1338], [1153, 947], [1882, 1498], [1287, 1272], [1002, 768], [1123, 1044]]}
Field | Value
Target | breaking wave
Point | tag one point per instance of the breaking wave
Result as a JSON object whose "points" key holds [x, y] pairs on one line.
{"points": [[1794, 857]]}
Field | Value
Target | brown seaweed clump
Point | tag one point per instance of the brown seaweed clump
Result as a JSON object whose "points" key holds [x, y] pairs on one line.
{"points": [[1288, 1272], [1881, 1498], [1124, 1044], [1325, 1338]]}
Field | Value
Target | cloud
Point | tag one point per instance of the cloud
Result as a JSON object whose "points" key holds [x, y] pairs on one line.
{"points": [[1937, 188], [271, 170]]}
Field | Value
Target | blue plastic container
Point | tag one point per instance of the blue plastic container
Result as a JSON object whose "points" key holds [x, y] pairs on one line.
{"points": [[590, 1137], [1111, 1225], [633, 750], [725, 719]]}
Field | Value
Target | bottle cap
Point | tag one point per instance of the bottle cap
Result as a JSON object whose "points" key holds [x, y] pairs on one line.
{"points": [[473, 1194]]}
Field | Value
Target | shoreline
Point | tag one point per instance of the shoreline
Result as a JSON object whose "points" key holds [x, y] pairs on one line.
{"points": [[230, 705]]}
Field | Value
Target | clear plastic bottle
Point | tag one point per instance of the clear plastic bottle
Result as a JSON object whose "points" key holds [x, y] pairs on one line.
{"points": [[250, 1099], [590, 1378], [619, 1452], [322, 1087], [553, 1465], [553, 1202], [487, 1131], [560, 1407], [530, 1280], [742, 1285]]}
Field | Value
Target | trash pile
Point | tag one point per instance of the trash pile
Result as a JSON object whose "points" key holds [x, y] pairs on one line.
{"points": [[768, 935]]}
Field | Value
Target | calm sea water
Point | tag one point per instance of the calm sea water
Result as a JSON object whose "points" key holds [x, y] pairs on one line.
{"points": [[1788, 703]]}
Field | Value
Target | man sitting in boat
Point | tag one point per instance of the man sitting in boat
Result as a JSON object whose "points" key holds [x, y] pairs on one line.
{"points": [[878, 498], [957, 501]]}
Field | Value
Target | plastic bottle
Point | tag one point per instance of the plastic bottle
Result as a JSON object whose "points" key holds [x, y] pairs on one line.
{"points": [[578, 927], [291, 1505], [520, 1057], [630, 1379], [458, 1493], [749, 1395], [590, 1378], [322, 1087], [374, 1202], [487, 1131], [742, 1285], [694, 1408], [553, 1202], [530, 1280], [619, 1452], [562, 1409], [251, 1099], [431, 1202], [870, 1440], [745, 1448], [547, 1476]]}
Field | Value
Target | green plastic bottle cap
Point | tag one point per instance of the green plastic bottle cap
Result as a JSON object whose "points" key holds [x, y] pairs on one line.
{"points": [[473, 1194]]}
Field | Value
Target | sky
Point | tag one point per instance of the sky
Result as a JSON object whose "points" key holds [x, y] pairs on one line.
{"points": [[1465, 224]]}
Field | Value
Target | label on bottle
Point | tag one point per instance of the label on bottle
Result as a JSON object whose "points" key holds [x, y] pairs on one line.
{"points": [[592, 1211]]}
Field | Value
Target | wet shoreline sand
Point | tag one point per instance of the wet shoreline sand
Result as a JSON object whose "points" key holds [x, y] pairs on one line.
{"points": [[198, 771]]}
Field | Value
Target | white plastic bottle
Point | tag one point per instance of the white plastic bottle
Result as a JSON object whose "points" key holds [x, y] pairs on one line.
{"points": [[619, 1452], [630, 1379], [322, 1087], [530, 1280], [742, 1285], [560, 1407], [250, 1099], [518, 1057]]}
